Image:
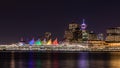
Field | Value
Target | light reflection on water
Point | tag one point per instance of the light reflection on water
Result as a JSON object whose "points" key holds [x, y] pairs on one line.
{"points": [[38, 64], [55, 61], [12, 63], [20, 62], [31, 62], [115, 60], [99, 60], [60, 60], [47, 61], [83, 61]]}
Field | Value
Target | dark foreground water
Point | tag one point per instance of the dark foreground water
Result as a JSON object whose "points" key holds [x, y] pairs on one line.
{"points": [[59, 60]]}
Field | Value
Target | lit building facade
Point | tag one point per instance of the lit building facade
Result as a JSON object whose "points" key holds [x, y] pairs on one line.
{"points": [[100, 36], [68, 35], [73, 26], [48, 36], [92, 36], [76, 32], [96, 39], [73, 33], [113, 34]]}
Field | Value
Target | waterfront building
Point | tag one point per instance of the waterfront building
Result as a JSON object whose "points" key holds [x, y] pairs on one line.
{"points": [[113, 36], [95, 39], [100, 36], [92, 36], [96, 43]]}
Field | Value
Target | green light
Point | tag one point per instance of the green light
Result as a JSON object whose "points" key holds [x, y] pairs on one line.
{"points": [[38, 42]]}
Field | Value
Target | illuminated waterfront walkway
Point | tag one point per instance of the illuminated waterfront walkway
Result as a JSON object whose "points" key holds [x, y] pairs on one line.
{"points": [[60, 48]]}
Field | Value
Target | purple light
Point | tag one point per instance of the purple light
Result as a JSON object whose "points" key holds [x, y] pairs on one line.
{"points": [[83, 60], [83, 25]]}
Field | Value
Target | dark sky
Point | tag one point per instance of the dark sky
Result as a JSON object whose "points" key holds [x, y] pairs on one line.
{"points": [[30, 18]]}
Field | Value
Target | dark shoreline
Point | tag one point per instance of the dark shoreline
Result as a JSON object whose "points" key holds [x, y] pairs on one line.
{"points": [[56, 51]]}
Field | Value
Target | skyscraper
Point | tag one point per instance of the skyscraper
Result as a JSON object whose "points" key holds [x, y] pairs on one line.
{"points": [[47, 36], [73, 33], [113, 34]]}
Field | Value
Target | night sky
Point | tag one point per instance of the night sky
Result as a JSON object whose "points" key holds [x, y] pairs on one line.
{"points": [[30, 18]]}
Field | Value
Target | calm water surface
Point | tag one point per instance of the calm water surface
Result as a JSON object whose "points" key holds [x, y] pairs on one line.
{"points": [[59, 60]]}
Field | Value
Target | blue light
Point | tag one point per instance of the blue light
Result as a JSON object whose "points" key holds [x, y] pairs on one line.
{"points": [[31, 42]]}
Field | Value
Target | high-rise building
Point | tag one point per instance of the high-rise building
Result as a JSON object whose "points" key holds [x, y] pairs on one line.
{"points": [[92, 36], [47, 36], [101, 36], [113, 34], [68, 35], [73, 26], [76, 32], [73, 33]]}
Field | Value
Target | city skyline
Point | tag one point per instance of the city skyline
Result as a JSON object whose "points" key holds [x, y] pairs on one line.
{"points": [[33, 18]]}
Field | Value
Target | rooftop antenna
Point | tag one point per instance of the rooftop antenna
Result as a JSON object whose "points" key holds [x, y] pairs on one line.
{"points": [[83, 25], [83, 21]]}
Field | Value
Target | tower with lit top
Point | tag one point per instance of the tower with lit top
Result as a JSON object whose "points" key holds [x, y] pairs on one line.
{"points": [[76, 32], [83, 25], [84, 32]]}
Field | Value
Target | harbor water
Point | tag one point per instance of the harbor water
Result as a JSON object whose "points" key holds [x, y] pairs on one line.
{"points": [[60, 60]]}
